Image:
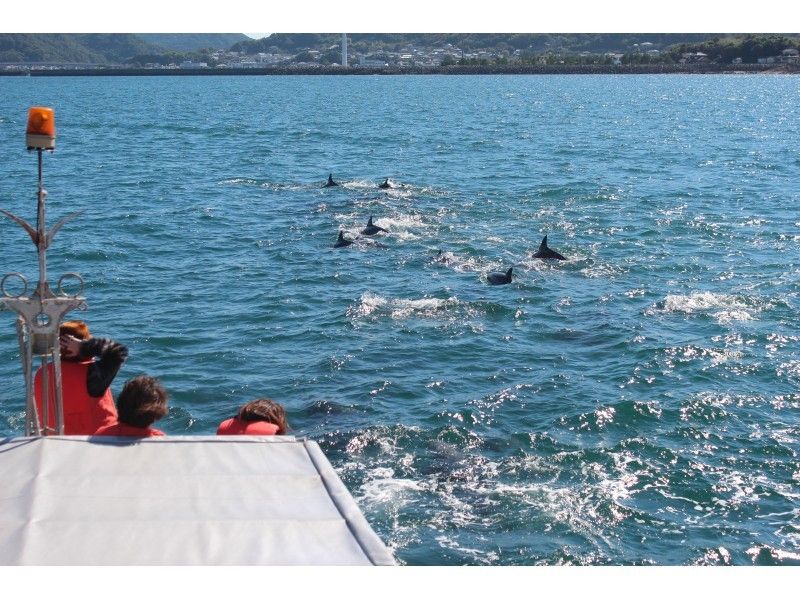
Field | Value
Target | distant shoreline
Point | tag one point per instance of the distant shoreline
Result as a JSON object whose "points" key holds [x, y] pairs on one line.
{"points": [[589, 69]]}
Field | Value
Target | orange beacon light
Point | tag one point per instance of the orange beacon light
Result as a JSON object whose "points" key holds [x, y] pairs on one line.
{"points": [[41, 131]]}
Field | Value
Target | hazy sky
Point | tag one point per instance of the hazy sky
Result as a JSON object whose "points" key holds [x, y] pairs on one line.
{"points": [[416, 16]]}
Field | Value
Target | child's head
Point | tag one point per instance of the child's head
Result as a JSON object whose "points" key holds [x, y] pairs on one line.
{"points": [[77, 329], [142, 401], [264, 410]]}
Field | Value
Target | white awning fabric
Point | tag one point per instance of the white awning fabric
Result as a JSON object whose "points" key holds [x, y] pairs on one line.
{"points": [[178, 500]]}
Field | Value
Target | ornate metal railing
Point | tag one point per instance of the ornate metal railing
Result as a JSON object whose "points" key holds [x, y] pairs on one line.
{"points": [[40, 314]]}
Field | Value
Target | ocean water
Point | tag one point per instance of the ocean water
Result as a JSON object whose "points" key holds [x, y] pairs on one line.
{"points": [[638, 403]]}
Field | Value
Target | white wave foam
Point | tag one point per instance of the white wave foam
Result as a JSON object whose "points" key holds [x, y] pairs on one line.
{"points": [[238, 181], [357, 184], [402, 223], [384, 488], [777, 554], [697, 302], [459, 263], [370, 304], [723, 308]]}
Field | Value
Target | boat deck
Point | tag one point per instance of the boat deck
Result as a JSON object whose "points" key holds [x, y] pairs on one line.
{"points": [[178, 500]]}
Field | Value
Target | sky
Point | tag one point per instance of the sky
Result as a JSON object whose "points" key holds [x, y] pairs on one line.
{"points": [[404, 16]]}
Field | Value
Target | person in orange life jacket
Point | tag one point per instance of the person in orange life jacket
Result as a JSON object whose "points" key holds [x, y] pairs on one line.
{"points": [[142, 402], [261, 417], [88, 366]]}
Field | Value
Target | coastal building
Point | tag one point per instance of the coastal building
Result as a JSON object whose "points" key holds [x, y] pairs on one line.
{"points": [[371, 62], [790, 56], [693, 57], [244, 64]]}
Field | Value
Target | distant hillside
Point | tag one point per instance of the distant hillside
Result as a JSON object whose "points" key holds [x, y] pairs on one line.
{"points": [[190, 42], [50, 47], [174, 48], [532, 42], [93, 48], [116, 47]]}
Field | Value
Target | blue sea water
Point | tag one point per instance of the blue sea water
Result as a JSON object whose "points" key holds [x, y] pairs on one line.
{"points": [[638, 403]]}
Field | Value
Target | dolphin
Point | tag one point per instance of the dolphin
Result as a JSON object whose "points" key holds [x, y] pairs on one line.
{"points": [[341, 241], [331, 182], [544, 252], [499, 277], [385, 185], [372, 229]]}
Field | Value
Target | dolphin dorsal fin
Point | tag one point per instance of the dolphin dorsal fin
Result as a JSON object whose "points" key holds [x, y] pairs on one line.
{"points": [[341, 235], [369, 222], [508, 273], [543, 245]]}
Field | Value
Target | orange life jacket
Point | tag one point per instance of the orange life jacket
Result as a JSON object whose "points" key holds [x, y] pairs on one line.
{"points": [[120, 429], [236, 426], [83, 413]]}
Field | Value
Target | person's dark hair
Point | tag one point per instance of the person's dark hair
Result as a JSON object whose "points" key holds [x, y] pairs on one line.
{"points": [[265, 410], [142, 401]]}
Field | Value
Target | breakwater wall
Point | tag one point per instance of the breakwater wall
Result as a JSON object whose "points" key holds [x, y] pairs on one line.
{"points": [[588, 69]]}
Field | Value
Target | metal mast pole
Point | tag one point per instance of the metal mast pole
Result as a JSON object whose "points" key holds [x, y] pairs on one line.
{"points": [[39, 315]]}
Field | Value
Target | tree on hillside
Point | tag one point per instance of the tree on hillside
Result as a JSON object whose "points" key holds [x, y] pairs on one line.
{"points": [[303, 57]]}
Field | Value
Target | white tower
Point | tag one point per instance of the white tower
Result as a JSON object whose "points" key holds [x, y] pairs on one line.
{"points": [[344, 49]]}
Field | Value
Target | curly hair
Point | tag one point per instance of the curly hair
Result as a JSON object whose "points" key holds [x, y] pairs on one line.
{"points": [[142, 401], [265, 410]]}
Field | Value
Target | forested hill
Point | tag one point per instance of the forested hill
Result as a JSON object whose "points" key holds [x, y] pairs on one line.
{"points": [[104, 48], [93, 48], [191, 42]]}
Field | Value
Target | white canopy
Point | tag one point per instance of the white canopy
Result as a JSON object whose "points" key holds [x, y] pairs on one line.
{"points": [[178, 500]]}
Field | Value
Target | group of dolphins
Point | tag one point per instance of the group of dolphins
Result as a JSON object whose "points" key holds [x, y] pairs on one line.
{"points": [[493, 278], [544, 253]]}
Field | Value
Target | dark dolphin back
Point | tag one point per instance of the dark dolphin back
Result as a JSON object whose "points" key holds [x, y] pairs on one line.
{"points": [[544, 252], [341, 241], [499, 277]]}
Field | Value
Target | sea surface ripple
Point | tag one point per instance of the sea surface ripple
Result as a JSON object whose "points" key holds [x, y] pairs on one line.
{"points": [[636, 404]]}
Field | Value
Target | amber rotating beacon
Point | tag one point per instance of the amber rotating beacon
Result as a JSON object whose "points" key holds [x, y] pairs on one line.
{"points": [[40, 315], [41, 131]]}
